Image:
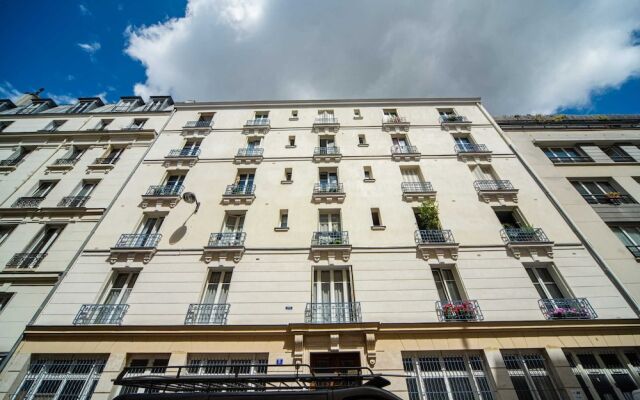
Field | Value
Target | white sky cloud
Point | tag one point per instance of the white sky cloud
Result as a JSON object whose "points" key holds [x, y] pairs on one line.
{"points": [[84, 10], [90, 48], [519, 56], [7, 91]]}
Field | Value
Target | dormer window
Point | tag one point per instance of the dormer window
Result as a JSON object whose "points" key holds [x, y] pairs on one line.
{"points": [[158, 103], [37, 106], [84, 105], [6, 104], [127, 104]]}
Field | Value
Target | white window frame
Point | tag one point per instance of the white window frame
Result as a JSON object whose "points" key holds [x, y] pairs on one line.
{"points": [[519, 356], [219, 287], [121, 293]]}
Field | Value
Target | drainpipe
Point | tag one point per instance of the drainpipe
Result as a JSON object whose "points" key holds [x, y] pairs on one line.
{"points": [[11, 352], [556, 204]]}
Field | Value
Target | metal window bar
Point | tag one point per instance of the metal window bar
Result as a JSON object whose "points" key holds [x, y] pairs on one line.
{"points": [[396, 149], [328, 187], [471, 148], [578, 308], [101, 314], [26, 260], [394, 119], [569, 159], [250, 152], [227, 239], [199, 124], [416, 187], [493, 185], [608, 198], [258, 122], [192, 152], [329, 238], [137, 240], [516, 235], [327, 150], [239, 189], [207, 314], [427, 236], [65, 161], [105, 160], [530, 378], [332, 313], [459, 310], [28, 202], [73, 201], [444, 119], [164, 190], [326, 120]]}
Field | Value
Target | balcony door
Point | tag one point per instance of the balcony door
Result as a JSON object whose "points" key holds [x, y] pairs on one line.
{"points": [[40, 245], [446, 285], [328, 180], [43, 189], [191, 146], [120, 288], [245, 182], [113, 155], [331, 295], [85, 189], [217, 287], [234, 223], [483, 173], [400, 141], [464, 143], [411, 175], [148, 228], [329, 222], [328, 142], [174, 181], [253, 143]]}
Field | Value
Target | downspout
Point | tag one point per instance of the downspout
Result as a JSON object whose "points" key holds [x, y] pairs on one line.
{"points": [[11, 352], [556, 204]]}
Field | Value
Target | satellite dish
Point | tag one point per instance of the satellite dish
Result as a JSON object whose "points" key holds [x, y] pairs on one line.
{"points": [[190, 197]]}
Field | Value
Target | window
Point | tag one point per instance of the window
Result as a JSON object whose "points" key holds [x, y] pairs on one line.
{"points": [[217, 288], [103, 124], [113, 155], [629, 235], [205, 117], [5, 231], [121, 286], [484, 172], [244, 183], [125, 104], [400, 143], [530, 377], [61, 378], [34, 107], [362, 140], [156, 104], [54, 125], [332, 293], [43, 188], [510, 218], [4, 125], [447, 112], [284, 219], [368, 174], [40, 245], [254, 142], [601, 192], [607, 374], [375, 217], [233, 223], [566, 155], [327, 142], [83, 106], [191, 147], [150, 225], [145, 365], [617, 154], [294, 114], [446, 285], [411, 175], [74, 153], [18, 155], [356, 113], [80, 194], [137, 123], [4, 300], [328, 180], [288, 175], [543, 281], [227, 364], [174, 180], [292, 141], [447, 376], [261, 115]]}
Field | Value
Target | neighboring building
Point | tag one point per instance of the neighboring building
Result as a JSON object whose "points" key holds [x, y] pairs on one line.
{"points": [[299, 243], [60, 169]]}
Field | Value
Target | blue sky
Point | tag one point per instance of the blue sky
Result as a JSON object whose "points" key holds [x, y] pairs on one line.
{"points": [[538, 57]]}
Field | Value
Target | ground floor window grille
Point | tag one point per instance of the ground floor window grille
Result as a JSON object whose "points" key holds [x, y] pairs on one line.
{"points": [[444, 376], [60, 379], [530, 376], [140, 366], [227, 364]]}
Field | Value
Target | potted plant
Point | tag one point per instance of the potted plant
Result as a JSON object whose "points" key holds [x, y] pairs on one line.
{"points": [[461, 311], [428, 220], [613, 195]]}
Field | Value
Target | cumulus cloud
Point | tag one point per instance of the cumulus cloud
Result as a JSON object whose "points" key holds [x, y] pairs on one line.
{"points": [[519, 56]]}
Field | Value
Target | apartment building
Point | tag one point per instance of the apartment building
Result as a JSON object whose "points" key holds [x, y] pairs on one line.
{"points": [[401, 235], [61, 166]]}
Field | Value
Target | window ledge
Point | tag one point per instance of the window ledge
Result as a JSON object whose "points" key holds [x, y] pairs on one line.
{"points": [[363, 144], [290, 146], [286, 182], [378, 227], [280, 229], [369, 180]]}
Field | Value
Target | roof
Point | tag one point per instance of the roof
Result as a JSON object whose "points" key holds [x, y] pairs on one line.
{"points": [[563, 121]]}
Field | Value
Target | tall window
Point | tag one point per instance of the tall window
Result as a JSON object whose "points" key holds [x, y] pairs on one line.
{"points": [[332, 296], [411, 175], [148, 231], [175, 181], [120, 289], [5, 231], [543, 281], [103, 124], [530, 377], [446, 285], [43, 188], [447, 376], [630, 236], [38, 248], [4, 125], [217, 287], [113, 155], [244, 183], [4, 300], [608, 374], [54, 125], [145, 365]]}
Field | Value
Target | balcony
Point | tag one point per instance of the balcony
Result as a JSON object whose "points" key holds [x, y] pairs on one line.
{"points": [[332, 313], [132, 245], [182, 157], [394, 123], [472, 152], [635, 250], [160, 195], [328, 192], [613, 198], [454, 122], [326, 123], [459, 310], [28, 202], [330, 245], [579, 308], [258, 125], [225, 245], [571, 159], [62, 164], [436, 243], [532, 240], [248, 155], [499, 191], [9, 164], [197, 128], [239, 193], [73, 201], [207, 314], [101, 314], [327, 154], [417, 191], [105, 164], [405, 153], [25, 260]]}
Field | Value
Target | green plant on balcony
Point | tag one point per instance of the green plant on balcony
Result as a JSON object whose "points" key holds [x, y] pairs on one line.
{"points": [[428, 215]]}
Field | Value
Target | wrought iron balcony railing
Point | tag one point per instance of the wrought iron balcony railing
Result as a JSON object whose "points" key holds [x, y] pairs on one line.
{"points": [[447, 119], [459, 310], [10, 162], [609, 198], [416, 187], [579, 308], [258, 122], [635, 250], [493, 185], [330, 238], [28, 202], [324, 151], [65, 161], [194, 152], [326, 120], [73, 201], [101, 314], [106, 160], [394, 119], [26, 260], [570, 159], [471, 148], [431, 236], [165, 190], [138, 240], [250, 152], [404, 150], [328, 188], [207, 314], [523, 235], [239, 189], [199, 124], [227, 239], [332, 313]]}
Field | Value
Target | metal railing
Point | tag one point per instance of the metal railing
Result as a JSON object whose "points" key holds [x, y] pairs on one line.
{"points": [[635, 250], [332, 313], [448, 119], [570, 159], [416, 187], [65, 161], [325, 120], [193, 152], [429, 236], [101, 314], [239, 189], [519, 235], [609, 198], [330, 238], [10, 162], [199, 124], [622, 158], [106, 161], [137, 240], [207, 314], [471, 148], [164, 190], [227, 239], [258, 122], [327, 188], [28, 202], [73, 201], [132, 128], [578, 308], [493, 185], [394, 119], [26, 260], [250, 152], [404, 150], [324, 151], [459, 310]]}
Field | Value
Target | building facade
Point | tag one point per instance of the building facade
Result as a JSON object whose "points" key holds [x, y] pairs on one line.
{"points": [[60, 169], [402, 235]]}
